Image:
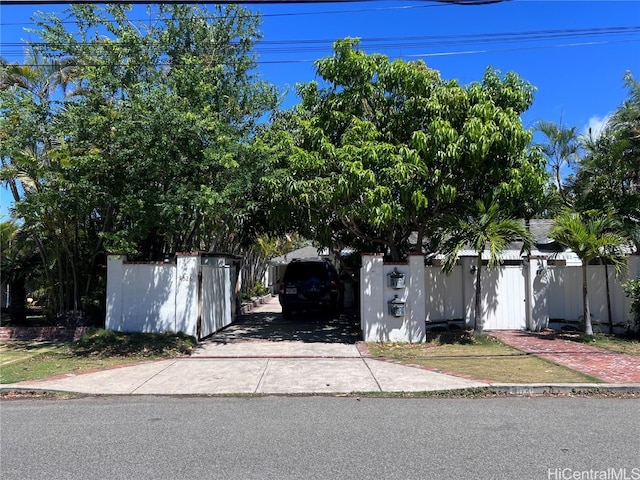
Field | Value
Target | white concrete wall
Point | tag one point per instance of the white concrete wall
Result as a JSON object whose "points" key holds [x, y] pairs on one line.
{"points": [[376, 293], [515, 297], [144, 298], [158, 298]]}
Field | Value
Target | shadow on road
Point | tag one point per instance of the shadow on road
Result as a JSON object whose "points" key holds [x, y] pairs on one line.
{"points": [[305, 327]]}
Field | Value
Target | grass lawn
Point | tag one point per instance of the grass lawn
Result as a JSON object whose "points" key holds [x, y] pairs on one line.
{"points": [[482, 356], [630, 346], [21, 361]]}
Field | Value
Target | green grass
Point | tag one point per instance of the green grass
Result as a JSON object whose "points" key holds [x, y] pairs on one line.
{"points": [[628, 345], [98, 349], [482, 357]]}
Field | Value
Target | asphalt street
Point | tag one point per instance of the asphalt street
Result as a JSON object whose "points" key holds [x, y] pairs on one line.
{"points": [[147, 437]]}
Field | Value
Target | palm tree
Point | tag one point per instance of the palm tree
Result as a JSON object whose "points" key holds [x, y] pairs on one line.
{"points": [[560, 148], [590, 235], [486, 228]]}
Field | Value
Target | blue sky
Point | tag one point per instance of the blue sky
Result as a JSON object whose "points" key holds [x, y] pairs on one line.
{"points": [[575, 52]]}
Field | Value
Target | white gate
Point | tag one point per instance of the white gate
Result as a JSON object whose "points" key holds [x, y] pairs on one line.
{"points": [[503, 298], [217, 298]]}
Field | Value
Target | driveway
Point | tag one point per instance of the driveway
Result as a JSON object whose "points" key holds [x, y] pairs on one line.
{"points": [[265, 323]]}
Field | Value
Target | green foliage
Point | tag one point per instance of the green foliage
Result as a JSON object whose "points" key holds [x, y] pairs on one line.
{"points": [[107, 343], [386, 148], [591, 235], [132, 137], [607, 178], [259, 290], [561, 150], [632, 289]]}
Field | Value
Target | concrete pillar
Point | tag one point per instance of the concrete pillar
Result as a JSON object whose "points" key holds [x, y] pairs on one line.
{"points": [[416, 300], [372, 297], [187, 286], [115, 274]]}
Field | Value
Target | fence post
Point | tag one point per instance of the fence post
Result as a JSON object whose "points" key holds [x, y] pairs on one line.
{"points": [[186, 293], [115, 275], [416, 300], [372, 296]]}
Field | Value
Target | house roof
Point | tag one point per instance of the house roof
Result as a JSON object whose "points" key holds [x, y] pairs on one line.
{"points": [[303, 253]]}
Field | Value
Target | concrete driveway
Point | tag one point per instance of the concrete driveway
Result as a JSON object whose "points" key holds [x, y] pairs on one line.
{"points": [[263, 354]]}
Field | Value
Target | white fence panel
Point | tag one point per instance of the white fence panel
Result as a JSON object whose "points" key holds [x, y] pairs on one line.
{"points": [[444, 294], [157, 298], [148, 298]]}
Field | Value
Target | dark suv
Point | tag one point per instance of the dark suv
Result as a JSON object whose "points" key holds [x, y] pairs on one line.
{"points": [[310, 285]]}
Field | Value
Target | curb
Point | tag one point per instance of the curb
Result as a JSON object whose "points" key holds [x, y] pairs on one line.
{"points": [[507, 390]]}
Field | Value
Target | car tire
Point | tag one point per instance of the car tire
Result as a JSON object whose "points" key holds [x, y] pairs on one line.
{"points": [[286, 312]]}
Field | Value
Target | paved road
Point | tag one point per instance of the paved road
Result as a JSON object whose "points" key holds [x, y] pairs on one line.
{"points": [[318, 438]]}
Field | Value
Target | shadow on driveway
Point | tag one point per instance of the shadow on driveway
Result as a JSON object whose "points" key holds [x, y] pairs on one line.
{"points": [[304, 327]]}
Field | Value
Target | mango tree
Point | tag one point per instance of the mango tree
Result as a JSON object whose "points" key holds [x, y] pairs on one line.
{"points": [[381, 149]]}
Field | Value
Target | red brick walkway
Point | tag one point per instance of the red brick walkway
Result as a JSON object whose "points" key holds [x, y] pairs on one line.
{"points": [[606, 365]]}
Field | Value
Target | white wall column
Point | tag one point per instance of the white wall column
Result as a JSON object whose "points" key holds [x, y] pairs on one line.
{"points": [[187, 293], [416, 300], [371, 296], [115, 274]]}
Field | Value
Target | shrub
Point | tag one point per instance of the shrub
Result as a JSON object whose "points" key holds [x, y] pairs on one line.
{"points": [[632, 289], [105, 343]]}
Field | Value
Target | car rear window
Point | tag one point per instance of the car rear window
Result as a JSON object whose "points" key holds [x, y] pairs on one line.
{"points": [[300, 271]]}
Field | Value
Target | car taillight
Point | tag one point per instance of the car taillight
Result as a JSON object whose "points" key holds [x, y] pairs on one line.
{"points": [[334, 287], [282, 288]]}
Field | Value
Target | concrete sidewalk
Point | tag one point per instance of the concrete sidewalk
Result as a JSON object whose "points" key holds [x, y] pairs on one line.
{"points": [[237, 361], [257, 368]]}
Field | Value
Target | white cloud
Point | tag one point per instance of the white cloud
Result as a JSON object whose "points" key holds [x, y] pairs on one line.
{"points": [[596, 125]]}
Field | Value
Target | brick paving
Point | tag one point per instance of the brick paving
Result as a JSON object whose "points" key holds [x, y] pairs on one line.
{"points": [[608, 366]]}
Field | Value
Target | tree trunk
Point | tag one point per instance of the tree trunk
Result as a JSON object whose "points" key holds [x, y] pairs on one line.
{"points": [[479, 321], [588, 328]]}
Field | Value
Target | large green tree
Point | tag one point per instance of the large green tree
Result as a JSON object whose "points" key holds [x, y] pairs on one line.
{"points": [[381, 149], [141, 156]]}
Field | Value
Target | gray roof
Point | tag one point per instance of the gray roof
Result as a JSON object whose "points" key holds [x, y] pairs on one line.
{"points": [[300, 254]]}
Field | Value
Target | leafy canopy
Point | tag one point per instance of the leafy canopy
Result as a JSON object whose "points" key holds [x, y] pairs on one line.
{"points": [[386, 148]]}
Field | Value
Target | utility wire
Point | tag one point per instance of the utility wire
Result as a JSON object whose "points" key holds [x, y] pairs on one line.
{"points": [[366, 43]]}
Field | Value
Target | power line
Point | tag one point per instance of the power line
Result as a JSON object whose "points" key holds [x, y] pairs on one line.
{"points": [[301, 46], [407, 56]]}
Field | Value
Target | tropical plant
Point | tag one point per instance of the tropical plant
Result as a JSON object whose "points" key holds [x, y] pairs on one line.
{"points": [[143, 157], [485, 228], [383, 149], [591, 235], [632, 289], [608, 176], [561, 149]]}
